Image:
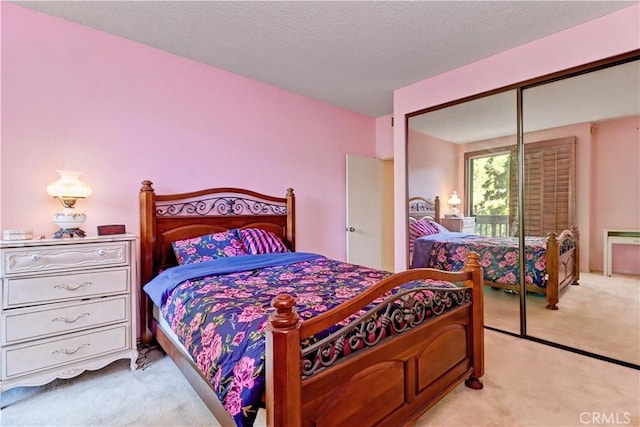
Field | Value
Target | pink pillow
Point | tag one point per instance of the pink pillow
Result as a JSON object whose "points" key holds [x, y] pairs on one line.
{"points": [[421, 228]]}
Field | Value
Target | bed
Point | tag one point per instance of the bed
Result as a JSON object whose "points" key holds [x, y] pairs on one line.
{"points": [[389, 381], [552, 262]]}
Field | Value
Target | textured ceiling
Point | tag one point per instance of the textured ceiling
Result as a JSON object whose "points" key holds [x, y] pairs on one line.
{"points": [[351, 54]]}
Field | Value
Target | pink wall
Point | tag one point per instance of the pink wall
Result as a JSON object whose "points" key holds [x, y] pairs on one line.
{"points": [[575, 46], [123, 112], [616, 195], [433, 168]]}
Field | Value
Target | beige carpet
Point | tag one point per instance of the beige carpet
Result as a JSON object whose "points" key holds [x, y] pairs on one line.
{"points": [[601, 315], [526, 384]]}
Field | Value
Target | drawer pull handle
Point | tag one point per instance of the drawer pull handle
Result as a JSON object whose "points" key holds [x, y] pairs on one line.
{"points": [[69, 351], [35, 257], [102, 252], [74, 286], [70, 320]]}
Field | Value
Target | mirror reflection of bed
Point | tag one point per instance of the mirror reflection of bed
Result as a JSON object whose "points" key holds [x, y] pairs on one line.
{"points": [[551, 261]]}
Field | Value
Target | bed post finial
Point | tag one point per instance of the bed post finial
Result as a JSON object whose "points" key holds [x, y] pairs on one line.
{"points": [[147, 185], [575, 233], [285, 316], [290, 232]]}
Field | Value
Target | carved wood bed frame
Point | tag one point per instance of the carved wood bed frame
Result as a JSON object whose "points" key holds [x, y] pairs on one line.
{"points": [[420, 208], [393, 382], [563, 257]]}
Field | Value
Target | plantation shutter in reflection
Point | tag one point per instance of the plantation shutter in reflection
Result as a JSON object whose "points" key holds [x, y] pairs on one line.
{"points": [[549, 187]]}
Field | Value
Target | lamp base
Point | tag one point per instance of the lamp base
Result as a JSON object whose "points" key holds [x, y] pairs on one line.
{"points": [[72, 232], [69, 221]]}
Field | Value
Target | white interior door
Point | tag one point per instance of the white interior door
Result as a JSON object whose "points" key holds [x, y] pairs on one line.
{"points": [[364, 211]]}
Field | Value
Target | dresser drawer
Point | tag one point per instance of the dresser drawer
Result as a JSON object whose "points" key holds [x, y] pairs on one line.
{"points": [[37, 290], [63, 257], [40, 355], [468, 222], [465, 224], [55, 319], [468, 225]]}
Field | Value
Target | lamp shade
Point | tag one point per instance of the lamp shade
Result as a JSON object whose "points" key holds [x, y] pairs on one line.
{"points": [[69, 186]]}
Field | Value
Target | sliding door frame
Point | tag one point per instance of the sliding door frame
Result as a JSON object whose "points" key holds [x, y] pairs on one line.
{"points": [[520, 88]]}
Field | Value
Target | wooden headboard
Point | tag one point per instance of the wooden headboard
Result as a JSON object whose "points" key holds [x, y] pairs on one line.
{"points": [[419, 207], [171, 217]]}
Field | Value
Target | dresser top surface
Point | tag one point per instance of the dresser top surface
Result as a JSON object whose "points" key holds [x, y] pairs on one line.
{"points": [[65, 241]]}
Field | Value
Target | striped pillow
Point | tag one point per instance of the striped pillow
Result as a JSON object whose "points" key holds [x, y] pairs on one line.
{"points": [[258, 241], [421, 228]]}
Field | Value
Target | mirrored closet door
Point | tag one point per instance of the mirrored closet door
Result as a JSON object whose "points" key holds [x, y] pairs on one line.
{"points": [[572, 169], [467, 149], [582, 162]]}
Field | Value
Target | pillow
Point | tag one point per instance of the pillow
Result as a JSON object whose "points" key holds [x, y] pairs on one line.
{"points": [[422, 227], [258, 241], [210, 246]]}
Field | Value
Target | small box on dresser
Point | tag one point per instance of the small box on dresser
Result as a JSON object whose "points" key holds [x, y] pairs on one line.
{"points": [[465, 224], [67, 305]]}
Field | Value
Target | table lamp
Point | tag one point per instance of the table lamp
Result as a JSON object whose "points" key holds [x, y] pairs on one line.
{"points": [[454, 201], [67, 190]]}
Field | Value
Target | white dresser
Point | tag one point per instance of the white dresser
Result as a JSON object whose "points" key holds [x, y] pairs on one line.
{"points": [[67, 305], [465, 224]]}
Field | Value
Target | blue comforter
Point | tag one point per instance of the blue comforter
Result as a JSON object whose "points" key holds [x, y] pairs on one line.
{"points": [[498, 256], [163, 284], [422, 247]]}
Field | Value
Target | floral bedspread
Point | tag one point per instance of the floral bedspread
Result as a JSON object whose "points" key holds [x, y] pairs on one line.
{"points": [[221, 319], [498, 256]]}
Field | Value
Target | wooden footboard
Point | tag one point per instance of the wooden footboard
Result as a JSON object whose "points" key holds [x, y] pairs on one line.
{"points": [[562, 252], [563, 267], [391, 383]]}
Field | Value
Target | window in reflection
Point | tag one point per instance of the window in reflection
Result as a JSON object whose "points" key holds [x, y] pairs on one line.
{"points": [[489, 186]]}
